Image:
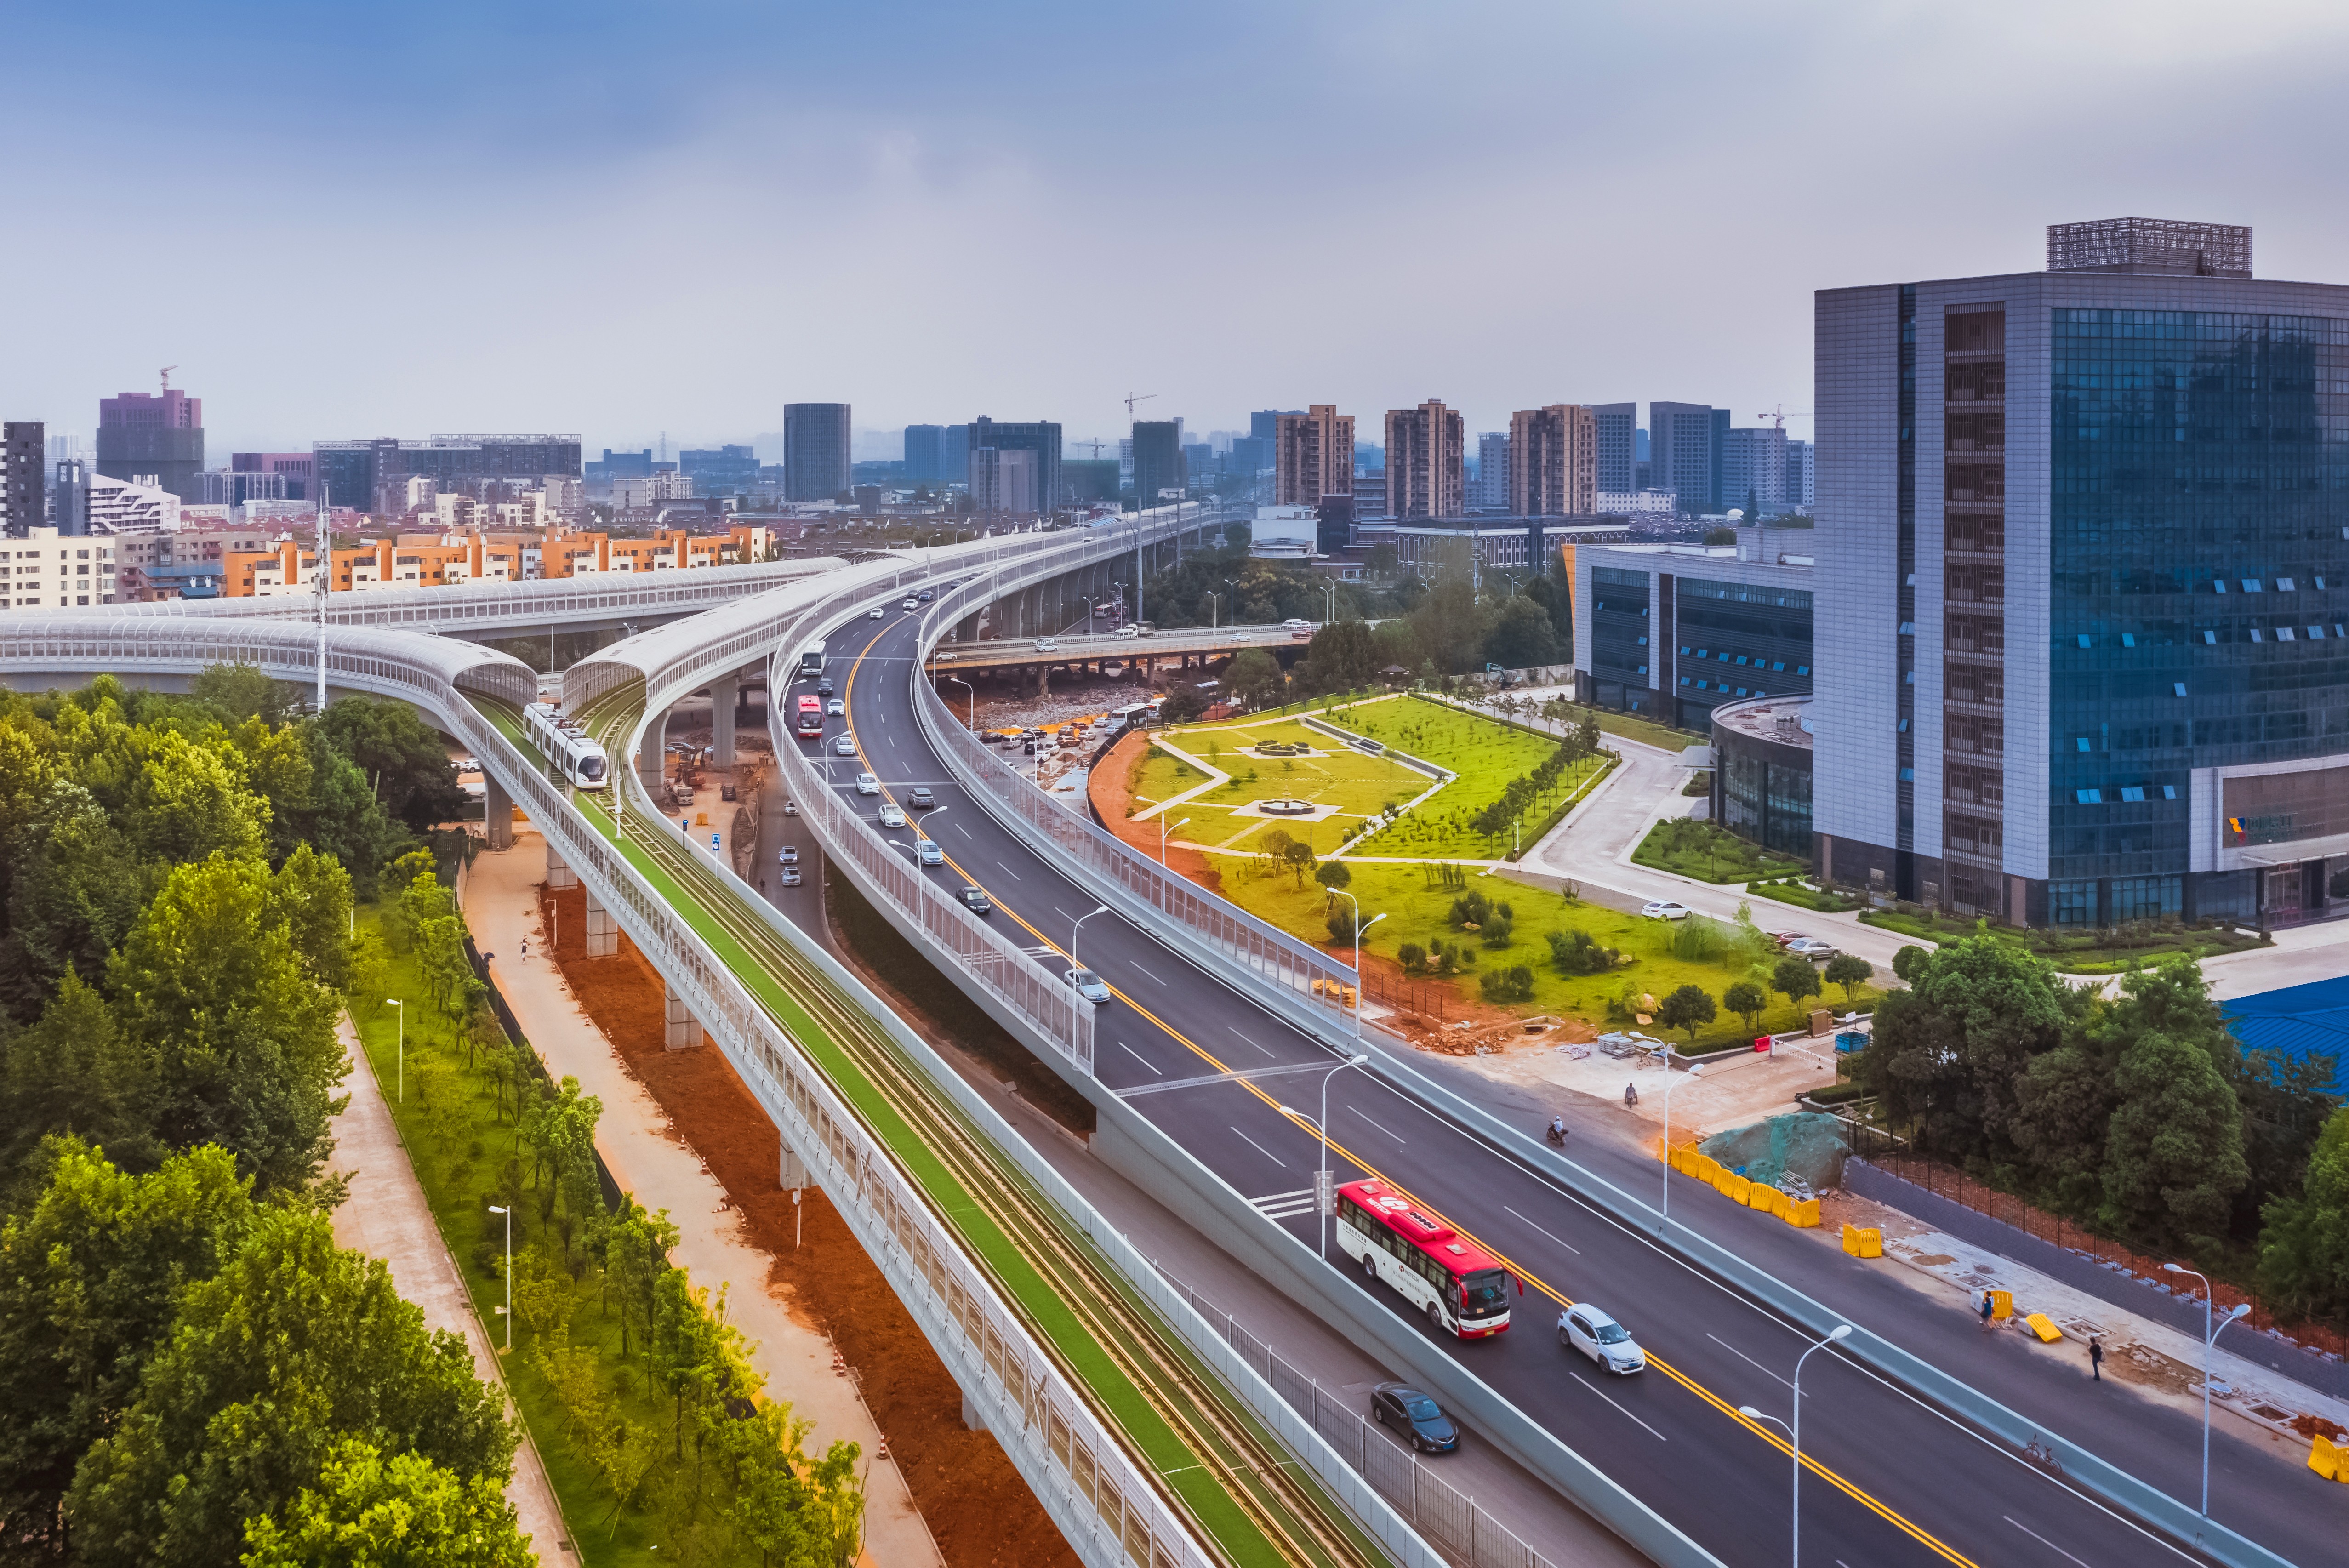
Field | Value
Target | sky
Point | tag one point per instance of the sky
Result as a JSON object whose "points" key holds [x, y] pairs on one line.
{"points": [[629, 220]]}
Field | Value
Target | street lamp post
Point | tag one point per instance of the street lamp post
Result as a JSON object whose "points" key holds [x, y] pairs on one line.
{"points": [[2209, 1337], [1665, 1215], [1162, 836], [402, 1080], [1321, 1129], [1840, 1331], [973, 696], [1360, 926], [1080, 926], [1232, 600], [506, 1311]]}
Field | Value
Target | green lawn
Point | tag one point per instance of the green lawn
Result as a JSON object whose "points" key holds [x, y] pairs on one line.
{"points": [[1357, 786], [1419, 912], [1801, 897], [1485, 753], [2075, 953], [1631, 727], [1709, 852], [1080, 1355]]}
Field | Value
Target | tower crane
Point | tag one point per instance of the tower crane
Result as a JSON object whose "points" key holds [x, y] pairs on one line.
{"points": [[1131, 401], [166, 376]]}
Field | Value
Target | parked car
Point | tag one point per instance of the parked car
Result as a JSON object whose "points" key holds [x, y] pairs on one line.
{"points": [[1664, 909], [789, 855], [867, 784], [835, 709], [976, 901], [1087, 985], [921, 800], [843, 745], [930, 854], [1812, 948], [1590, 1329], [892, 814], [1047, 645], [1420, 1418], [791, 877]]}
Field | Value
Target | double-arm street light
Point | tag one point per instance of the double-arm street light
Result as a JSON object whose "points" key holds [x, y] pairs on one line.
{"points": [[1080, 926], [2210, 1333], [1361, 925], [1840, 1331], [1321, 1130]]}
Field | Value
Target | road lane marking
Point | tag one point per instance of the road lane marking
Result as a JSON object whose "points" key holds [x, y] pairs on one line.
{"points": [[1724, 1344], [1137, 1056], [1260, 1148], [1388, 1131], [2041, 1539], [1147, 972], [1553, 1235], [1007, 870], [959, 827], [1595, 1388], [1235, 1029]]}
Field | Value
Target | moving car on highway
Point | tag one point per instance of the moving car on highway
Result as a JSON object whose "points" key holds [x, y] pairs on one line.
{"points": [[867, 784], [844, 746], [1087, 985], [892, 814], [1422, 1420], [1590, 1329], [976, 901], [930, 854]]}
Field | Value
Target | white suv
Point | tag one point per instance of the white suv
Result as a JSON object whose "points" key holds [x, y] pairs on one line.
{"points": [[867, 784]]}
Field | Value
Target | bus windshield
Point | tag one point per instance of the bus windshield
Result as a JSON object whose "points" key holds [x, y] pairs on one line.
{"points": [[1485, 1291]]}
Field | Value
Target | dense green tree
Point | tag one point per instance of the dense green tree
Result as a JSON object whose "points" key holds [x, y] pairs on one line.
{"points": [[406, 760], [241, 1040], [2174, 1155], [90, 1274], [1850, 970], [242, 691], [1342, 657], [1253, 677], [2305, 1246], [1555, 594], [292, 1346], [74, 886], [73, 1072], [635, 1252], [1688, 1009], [192, 800], [1747, 1000], [368, 1512], [312, 894], [1520, 636], [1794, 978], [1947, 1054]]}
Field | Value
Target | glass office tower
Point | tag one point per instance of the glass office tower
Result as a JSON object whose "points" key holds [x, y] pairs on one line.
{"points": [[2085, 667]]}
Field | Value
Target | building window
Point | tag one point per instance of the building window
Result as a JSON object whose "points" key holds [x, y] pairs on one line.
{"points": [[2147, 898], [2089, 797], [2072, 904]]}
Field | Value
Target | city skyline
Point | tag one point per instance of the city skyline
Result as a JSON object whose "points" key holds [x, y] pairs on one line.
{"points": [[611, 329]]}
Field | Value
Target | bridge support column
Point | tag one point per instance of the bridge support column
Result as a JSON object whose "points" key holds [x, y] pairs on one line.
{"points": [[681, 1029], [497, 813], [1043, 687], [559, 875], [792, 1174], [971, 1419], [648, 755], [603, 931], [725, 692]]}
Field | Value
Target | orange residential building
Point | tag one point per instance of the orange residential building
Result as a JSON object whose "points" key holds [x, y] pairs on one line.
{"points": [[435, 561]]}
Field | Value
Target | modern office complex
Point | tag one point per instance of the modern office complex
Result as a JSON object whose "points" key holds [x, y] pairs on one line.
{"points": [[1313, 455], [816, 450], [24, 477], [1616, 427], [1685, 442], [1762, 771], [1039, 437], [158, 435], [926, 456], [1675, 630], [373, 475], [1552, 460], [2084, 664], [1425, 466], [1158, 462]]}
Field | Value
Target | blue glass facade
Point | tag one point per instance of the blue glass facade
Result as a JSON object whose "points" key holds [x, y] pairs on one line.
{"points": [[2199, 511], [1734, 640], [1621, 627]]}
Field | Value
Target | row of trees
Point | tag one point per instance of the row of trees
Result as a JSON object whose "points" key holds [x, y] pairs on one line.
{"points": [[2138, 1114]]}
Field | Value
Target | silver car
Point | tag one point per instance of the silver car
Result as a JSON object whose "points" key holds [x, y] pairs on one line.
{"points": [[1811, 947], [1087, 985], [844, 746], [1591, 1330]]}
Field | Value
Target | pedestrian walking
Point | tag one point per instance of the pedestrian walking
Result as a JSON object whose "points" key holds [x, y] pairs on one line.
{"points": [[525, 950], [2096, 1359], [1985, 1312]]}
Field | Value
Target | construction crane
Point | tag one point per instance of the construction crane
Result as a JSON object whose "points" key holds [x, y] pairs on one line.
{"points": [[1779, 416], [1131, 401], [166, 376]]}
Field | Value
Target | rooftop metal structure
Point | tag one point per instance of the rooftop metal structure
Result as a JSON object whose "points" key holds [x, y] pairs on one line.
{"points": [[2150, 246]]}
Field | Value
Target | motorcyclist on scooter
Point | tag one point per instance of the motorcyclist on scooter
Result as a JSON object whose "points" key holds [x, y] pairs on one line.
{"points": [[1557, 1129]]}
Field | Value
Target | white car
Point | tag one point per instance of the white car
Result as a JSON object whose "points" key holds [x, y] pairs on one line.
{"points": [[1664, 909], [1590, 1330], [911, 603], [874, 614], [892, 815], [835, 709], [843, 745], [1295, 624], [1125, 631], [1087, 985], [867, 784], [1047, 645]]}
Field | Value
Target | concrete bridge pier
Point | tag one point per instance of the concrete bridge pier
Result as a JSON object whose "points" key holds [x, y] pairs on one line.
{"points": [[649, 755], [681, 1029], [725, 692], [1042, 688], [603, 931], [559, 875], [497, 813]]}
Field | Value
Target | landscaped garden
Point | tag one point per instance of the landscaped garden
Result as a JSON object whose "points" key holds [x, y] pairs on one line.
{"points": [[2096, 951], [1488, 756], [1708, 851], [1326, 773]]}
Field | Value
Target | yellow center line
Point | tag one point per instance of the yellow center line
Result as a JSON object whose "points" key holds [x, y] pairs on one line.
{"points": [[1849, 1488]]}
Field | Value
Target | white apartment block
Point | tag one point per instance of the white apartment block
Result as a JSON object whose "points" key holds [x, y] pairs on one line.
{"points": [[47, 571]]}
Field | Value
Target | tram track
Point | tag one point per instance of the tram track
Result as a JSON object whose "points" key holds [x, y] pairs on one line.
{"points": [[1294, 1519]]}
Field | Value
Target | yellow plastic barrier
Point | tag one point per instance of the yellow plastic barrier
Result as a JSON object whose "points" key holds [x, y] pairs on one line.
{"points": [[1769, 1200], [2001, 1305], [1802, 1215], [2044, 1327], [1739, 1189], [1860, 1241], [2327, 1459]]}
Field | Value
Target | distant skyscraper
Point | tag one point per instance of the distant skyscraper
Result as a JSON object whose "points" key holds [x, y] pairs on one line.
{"points": [[1754, 471], [1802, 474], [373, 475], [926, 456], [1489, 490], [24, 477], [1312, 455], [1425, 464], [816, 450], [1003, 482], [1553, 461], [1617, 426], [141, 433], [1158, 465], [1265, 423], [1684, 453], [727, 470], [1040, 437]]}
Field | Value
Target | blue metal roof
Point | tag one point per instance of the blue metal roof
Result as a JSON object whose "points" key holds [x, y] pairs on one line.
{"points": [[2298, 1022]]}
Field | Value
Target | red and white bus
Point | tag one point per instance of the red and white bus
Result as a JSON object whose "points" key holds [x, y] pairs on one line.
{"points": [[811, 720], [1460, 1289]]}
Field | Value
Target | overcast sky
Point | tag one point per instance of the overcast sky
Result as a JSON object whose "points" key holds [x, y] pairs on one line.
{"points": [[355, 220]]}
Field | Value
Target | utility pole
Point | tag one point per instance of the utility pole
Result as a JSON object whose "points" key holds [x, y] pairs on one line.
{"points": [[326, 564]]}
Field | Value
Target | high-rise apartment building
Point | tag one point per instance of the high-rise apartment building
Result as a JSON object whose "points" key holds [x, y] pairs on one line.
{"points": [[296, 471], [1489, 490], [1040, 437], [1684, 453], [1618, 433], [161, 435], [1004, 482], [24, 477], [1553, 461], [1802, 476], [1754, 472], [1312, 455], [720, 472], [1425, 464], [925, 457], [816, 450], [1265, 423], [373, 475], [2090, 530], [1158, 463]]}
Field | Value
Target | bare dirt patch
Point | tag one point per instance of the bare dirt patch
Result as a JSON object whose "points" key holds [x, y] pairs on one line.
{"points": [[977, 1507]]}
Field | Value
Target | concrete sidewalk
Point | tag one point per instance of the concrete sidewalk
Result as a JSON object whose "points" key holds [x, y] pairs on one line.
{"points": [[386, 1217], [651, 1161]]}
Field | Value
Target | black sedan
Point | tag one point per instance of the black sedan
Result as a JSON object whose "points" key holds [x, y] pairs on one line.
{"points": [[1419, 1418]]}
